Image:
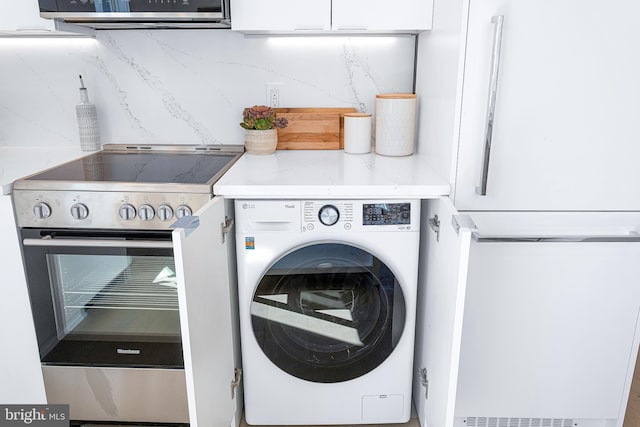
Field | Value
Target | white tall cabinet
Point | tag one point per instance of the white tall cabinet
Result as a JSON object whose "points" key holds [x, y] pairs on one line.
{"points": [[20, 373], [530, 107], [564, 132]]}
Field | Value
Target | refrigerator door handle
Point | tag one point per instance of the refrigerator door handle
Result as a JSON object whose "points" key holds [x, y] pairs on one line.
{"points": [[491, 103], [632, 237]]}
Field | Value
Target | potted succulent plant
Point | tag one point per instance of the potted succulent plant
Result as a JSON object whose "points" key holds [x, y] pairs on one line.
{"points": [[261, 127]]}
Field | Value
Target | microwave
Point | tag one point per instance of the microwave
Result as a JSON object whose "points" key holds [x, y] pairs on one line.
{"points": [[132, 14]]}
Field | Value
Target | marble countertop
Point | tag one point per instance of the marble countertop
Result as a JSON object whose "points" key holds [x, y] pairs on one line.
{"points": [[322, 174], [326, 174], [18, 162]]}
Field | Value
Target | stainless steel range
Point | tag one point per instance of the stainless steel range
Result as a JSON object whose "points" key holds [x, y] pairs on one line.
{"points": [[123, 187], [99, 260]]}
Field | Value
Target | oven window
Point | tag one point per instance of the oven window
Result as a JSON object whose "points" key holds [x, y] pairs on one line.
{"points": [[328, 313], [112, 310], [101, 296]]}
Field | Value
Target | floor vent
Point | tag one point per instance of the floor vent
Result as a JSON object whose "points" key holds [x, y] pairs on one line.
{"points": [[518, 422]]}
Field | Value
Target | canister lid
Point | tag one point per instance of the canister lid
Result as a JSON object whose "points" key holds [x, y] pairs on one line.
{"points": [[396, 95], [357, 115]]}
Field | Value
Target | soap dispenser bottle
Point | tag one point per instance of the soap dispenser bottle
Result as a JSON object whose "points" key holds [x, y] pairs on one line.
{"points": [[87, 121]]}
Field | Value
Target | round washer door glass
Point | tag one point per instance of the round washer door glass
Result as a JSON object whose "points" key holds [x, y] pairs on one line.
{"points": [[328, 313]]}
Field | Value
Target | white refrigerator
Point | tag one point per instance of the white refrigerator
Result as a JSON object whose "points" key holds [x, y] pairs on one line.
{"points": [[530, 280]]}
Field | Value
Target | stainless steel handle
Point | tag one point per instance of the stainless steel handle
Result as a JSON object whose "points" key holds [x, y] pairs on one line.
{"points": [[630, 238], [99, 243], [491, 103]]}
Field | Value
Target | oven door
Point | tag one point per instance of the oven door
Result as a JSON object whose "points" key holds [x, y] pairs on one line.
{"points": [[103, 298]]}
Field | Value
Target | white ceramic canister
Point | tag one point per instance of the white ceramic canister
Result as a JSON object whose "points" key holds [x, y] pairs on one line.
{"points": [[357, 133], [395, 124]]}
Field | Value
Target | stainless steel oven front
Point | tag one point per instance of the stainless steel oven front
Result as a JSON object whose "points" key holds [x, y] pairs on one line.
{"points": [[105, 308], [104, 298]]}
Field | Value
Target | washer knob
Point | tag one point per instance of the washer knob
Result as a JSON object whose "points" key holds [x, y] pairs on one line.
{"points": [[165, 212], [127, 212], [328, 215], [146, 212], [79, 211], [41, 210]]}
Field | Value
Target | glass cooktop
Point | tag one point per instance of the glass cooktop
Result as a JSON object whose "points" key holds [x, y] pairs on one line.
{"points": [[138, 168], [142, 167]]}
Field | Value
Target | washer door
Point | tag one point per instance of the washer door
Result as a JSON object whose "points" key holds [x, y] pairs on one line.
{"points": [[328, 313]]}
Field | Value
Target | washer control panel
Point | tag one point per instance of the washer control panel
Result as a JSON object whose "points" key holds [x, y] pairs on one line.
{"points": [[327, 216], [334, 214], [362, 215]]}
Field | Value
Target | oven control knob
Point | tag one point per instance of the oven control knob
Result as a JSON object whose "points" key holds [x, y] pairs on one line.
{"points": [[127, 212], [146, 212], [41, 210], [183, 210], [165, 212], [328, 215], [79, 211]]}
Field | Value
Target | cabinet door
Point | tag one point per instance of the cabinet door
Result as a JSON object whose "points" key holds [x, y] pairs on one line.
{"points": [[441, 293], [23, 15], [205, 315], [20, 361], [401, 15], [280, 15], [564, 132], [549, 328]]}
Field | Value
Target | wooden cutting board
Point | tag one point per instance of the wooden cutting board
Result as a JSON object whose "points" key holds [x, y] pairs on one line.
{"points": [[312, 128]]}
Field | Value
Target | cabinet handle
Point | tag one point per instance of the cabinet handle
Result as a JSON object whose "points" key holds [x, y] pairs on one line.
{"points": [[630, 238], [308, 28], [491, 103], [352, 28]]}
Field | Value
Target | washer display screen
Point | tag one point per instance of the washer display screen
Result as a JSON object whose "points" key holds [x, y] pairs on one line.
{"points": [[386, 214], [328, 313]]}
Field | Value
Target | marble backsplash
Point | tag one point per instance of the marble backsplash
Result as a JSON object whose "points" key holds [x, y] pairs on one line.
{"points": [[186, 86]]}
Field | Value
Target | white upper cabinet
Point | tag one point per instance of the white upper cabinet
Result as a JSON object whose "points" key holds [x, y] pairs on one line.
{"points": [[22, 19], [380, 15], [563, 134], [287, 16], [280, 15], [23, 15]]}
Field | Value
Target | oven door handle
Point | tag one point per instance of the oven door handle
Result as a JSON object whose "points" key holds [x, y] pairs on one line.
{"points": [[99, 243]]}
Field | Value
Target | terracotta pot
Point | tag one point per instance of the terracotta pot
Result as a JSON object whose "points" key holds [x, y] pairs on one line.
{"points": [[261, 142]]}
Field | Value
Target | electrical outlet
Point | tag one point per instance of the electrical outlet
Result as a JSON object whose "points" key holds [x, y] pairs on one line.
{"points": [[274, 97]]}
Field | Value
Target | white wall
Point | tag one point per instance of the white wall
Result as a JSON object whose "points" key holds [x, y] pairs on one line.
{"points": [[185, 86]]}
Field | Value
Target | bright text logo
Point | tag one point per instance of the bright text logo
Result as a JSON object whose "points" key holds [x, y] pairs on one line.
{"points": [[34, 415]]}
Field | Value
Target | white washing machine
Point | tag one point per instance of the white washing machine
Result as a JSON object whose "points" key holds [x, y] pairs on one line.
{"points": [[327, 293]]}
